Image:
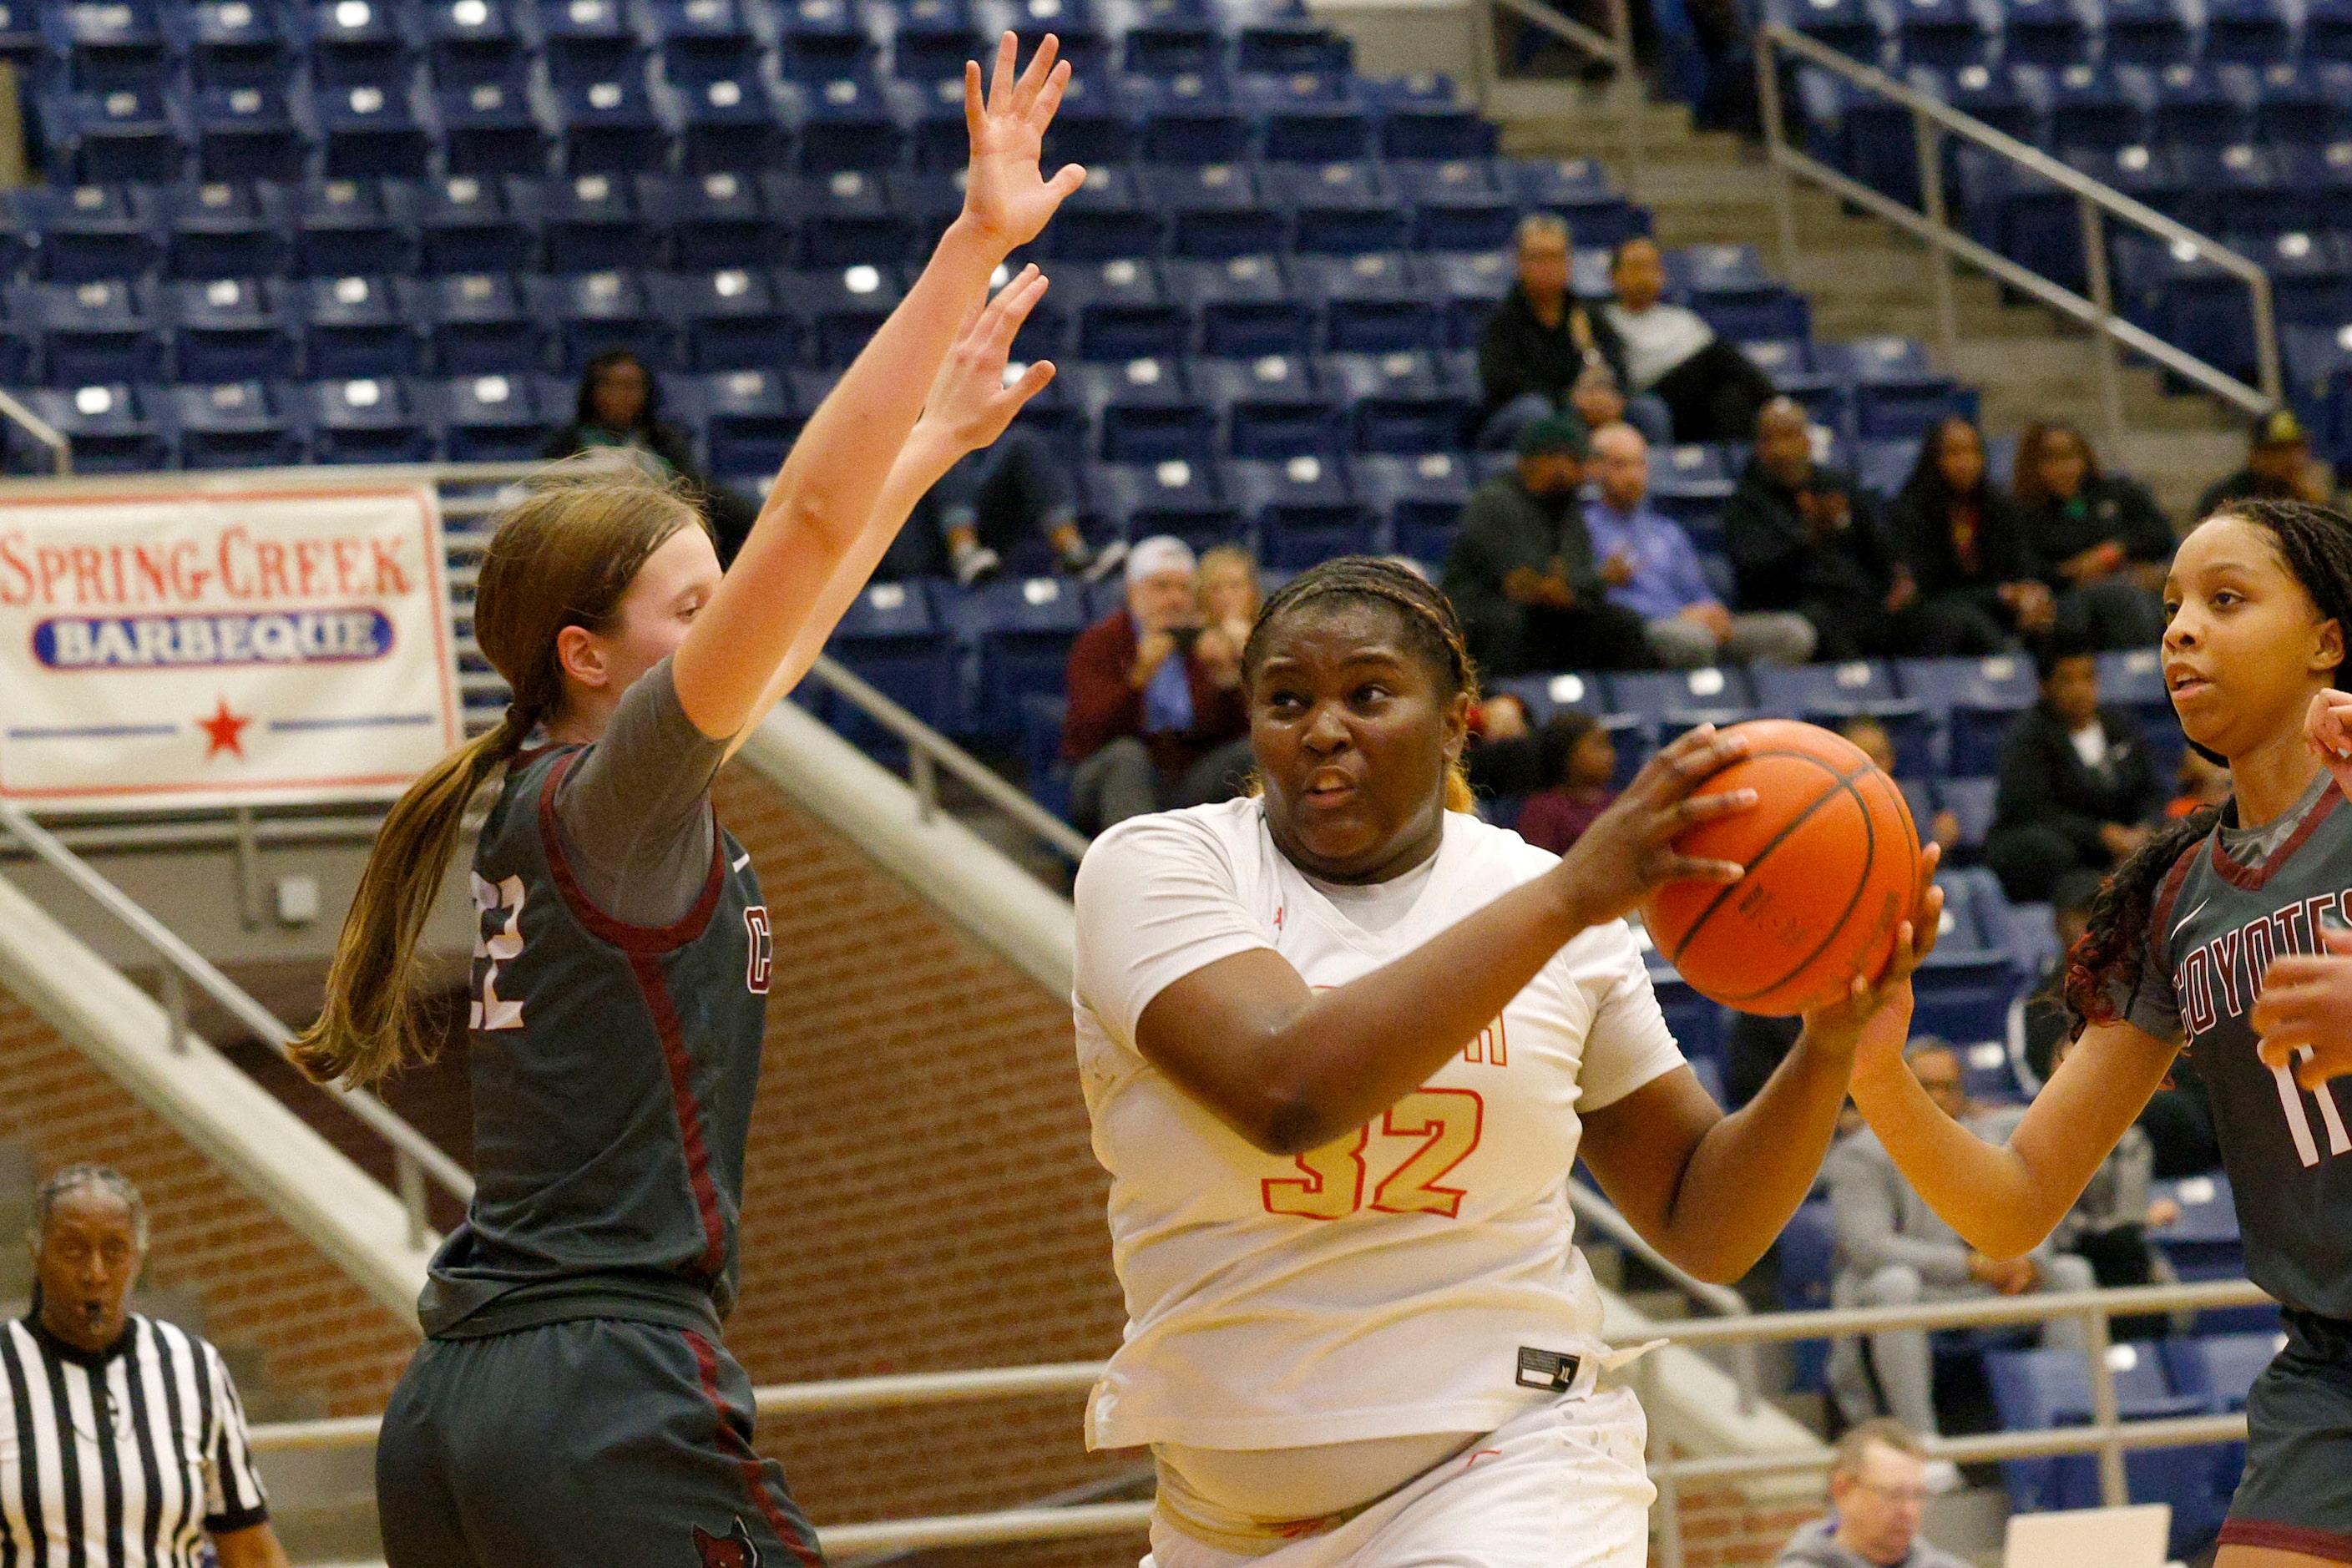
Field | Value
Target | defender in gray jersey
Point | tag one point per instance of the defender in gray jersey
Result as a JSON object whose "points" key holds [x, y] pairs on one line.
{"points": [[2186, 945], [574, 1404]]}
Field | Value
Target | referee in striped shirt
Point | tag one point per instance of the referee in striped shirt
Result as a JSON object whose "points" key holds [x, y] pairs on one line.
{"points": [[122, 1440]]}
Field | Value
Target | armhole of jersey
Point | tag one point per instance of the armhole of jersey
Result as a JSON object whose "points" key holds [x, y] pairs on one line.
{"points": [[2158, 940], [603, 927]]}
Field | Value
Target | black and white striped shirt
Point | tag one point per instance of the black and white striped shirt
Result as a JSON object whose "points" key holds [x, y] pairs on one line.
{"points": [[127, 1457]]}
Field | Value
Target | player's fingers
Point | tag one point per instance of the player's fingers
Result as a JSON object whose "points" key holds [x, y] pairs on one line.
{"points": [[1927, 924], [1012, 307], [1697, 756], [1689, 868], [2338, 939], [974, 111], [1033, 381], [1707, 807], [1049, 101], [1066, 181], [1931, 855], [1033, 80], [2325, 1064], [1001, 85]]}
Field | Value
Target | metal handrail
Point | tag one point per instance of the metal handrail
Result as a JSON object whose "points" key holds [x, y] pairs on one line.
{"points": [[1596, 1211], [39, 429], [928, 750], [1616, 46], [2108, 1436], [414, 1156], [2095, 203]]}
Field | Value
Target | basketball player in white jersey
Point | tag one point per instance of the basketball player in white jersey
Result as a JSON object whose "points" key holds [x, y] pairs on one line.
{"points": [[1340, 1044]]}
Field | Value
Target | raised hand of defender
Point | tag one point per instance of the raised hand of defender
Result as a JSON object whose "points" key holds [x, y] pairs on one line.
{"points": [[970, 405], [1874, 1015], [1628, 851], [1006, 196]]}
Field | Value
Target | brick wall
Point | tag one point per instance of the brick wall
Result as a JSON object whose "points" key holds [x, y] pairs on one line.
{"points": [[1724, 1528], [262, 1286]]}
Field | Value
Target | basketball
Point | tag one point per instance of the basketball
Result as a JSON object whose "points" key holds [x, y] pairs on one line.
{"points": [[1833, 863]]}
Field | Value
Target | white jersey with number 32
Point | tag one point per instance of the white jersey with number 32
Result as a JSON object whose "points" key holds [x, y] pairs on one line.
{"points": [[1387, 1283]]}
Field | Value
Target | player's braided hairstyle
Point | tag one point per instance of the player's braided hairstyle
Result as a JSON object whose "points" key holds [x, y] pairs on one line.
{"points": [[72, 1179], [1431, 629], [563, 556], [2314, 545]]}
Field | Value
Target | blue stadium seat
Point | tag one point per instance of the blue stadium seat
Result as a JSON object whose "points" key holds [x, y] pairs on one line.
{"points": [[1370, 304], [126, 134], [1964, 988], [1945, 32], [1172, 43], [347, 227], [1398, 402], [1302, 509], [1830, 694], [1090, 128], [228, 329], [1177, 496], [1338, 208], [353, 327], [2084, 105], [1979, 698], [933, 110], [1144, 411], [369, 130], [595, 312], [1315, 134], [1214, 210], [472, 41], [2047, 31], [1121, 313], [2243, 188], [1291, 45], [705, 40], [349, 42], [823, 40], [2220, 1369], [467, 223], [111, 429], [890, 638], [752, 417], [487, 128], [2198, 105], [1457, 205], [365, 420], [89, 231], [1671, 701], [587, 41], [246, 132], [220, 229], [231, 424], [233, 43], [477, 323], [1186, 119], [843, 218], [1806, 1249], [1106, 220], [1435, 132], [1020, 630], [1578, 190], [1419, 497], [2204, 1243], [109, 47], [2036, 1389], [2318, 367], [729, 319], [1269, 407], [612, 126], [94, 332], [2307, 101], [1972, 802], [2158, 31], [844, 122], [1466, 288], [1243, 306], [588, 223], [843, 306], [492, 419], [731, 125]]}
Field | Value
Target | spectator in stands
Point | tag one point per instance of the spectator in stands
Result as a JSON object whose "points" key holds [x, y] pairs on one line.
{"points": [[1230, 596], [1650, 568], [1713, 389], [1879, 1487], [1893, 1250], [1804, 536], [1539, 340], [1596, 399], [1504, 756], [2077, 786], [1003, 493], [619, 406], [1579, 773], [1980, 577], [2179, 1118], [2106, 540], [2279, 466], [1152, 725], [1944, 827], [2198, 782], [78, 1361], [1522, 574]]}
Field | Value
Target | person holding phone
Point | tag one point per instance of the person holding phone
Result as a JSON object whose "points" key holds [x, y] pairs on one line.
{"points": [[1155, 719]]}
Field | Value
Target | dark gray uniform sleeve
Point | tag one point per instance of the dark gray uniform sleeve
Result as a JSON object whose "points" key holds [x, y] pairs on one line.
{"points": [[2150, 1004], [635, 812]]}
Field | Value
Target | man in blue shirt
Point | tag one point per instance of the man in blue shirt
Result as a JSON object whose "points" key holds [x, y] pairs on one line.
{"points": [[1648, 564]]}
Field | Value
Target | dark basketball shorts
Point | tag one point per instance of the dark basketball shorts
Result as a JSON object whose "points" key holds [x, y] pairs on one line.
{"points": [[592, 1442], [2297, 1492]]}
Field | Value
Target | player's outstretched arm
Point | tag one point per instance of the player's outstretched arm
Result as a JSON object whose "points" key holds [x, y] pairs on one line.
{"points": [[1291, 1069], [1712, 1191], [2005, 1200], [967, 407], [824, 501]]}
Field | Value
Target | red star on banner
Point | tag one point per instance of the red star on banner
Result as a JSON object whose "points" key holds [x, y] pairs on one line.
{"points": [[224, 729]]}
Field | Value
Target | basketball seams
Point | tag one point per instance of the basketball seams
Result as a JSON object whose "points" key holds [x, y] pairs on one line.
{"points": [[1844, 782]]}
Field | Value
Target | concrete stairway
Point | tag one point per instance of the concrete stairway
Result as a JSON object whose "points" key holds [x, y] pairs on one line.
{"points": [[1865, 277]]}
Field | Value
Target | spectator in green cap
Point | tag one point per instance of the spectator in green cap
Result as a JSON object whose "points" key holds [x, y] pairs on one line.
{"points": [[1521, 574]]}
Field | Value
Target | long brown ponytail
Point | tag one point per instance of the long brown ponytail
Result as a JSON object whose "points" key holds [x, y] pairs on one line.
{"points": [[562, 556], [2314, 545]]}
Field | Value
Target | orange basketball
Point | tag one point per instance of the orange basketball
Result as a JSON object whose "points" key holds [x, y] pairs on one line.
{"points": [[1833, 866]]}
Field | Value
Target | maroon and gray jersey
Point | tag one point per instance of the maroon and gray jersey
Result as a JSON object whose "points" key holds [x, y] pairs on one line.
{"points": [[2237, 899]]}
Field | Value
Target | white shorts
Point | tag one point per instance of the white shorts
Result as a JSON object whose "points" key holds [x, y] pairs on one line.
{"points": [[1560, 1487]]}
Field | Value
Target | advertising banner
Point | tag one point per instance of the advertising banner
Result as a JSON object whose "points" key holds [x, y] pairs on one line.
{"points": [[210, 647]]}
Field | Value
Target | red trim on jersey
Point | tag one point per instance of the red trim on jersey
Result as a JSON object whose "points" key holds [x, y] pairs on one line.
{"points": [[706, 1363], [2252, 880], [2325, 1545], [655, 987], [2160, 914], [629, 939]]}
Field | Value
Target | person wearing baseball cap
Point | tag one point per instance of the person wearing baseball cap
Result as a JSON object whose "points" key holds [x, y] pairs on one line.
{"points": [[1152, 725], [1522, 575], [2279, 466]]}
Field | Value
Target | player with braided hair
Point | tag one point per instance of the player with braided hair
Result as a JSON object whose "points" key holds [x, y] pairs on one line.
{"points": [[1342, 1043], [2215, 939]]}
